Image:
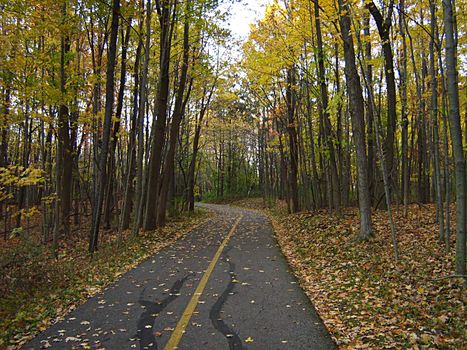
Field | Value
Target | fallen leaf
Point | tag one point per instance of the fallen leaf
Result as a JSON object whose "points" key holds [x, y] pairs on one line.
{"points": [[45, 344]]}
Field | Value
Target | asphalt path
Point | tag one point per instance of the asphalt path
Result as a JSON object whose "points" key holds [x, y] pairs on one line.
{"points": [[225, 285]]}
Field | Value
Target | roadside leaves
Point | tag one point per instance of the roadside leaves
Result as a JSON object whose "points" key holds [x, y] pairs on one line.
{"points": [[363, 298], [37, 290]]}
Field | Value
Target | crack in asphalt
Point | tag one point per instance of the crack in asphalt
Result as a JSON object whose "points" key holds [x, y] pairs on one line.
{"points": [[233, 339], [145, 334]]}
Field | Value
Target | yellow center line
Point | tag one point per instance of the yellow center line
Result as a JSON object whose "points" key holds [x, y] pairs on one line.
{"points": [[190, 308]]}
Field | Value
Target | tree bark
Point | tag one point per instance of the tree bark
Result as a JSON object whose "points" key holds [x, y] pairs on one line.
{"points": [[404, 112], [109, 100], [63, 165], [384, 30], [456, 134], [371, 116], [138, 217], [357, 111], [109, 200], [158, 140], [328, 134], [191, 169], [434, 117], [293, 142], [178, 114], [131, 161]]}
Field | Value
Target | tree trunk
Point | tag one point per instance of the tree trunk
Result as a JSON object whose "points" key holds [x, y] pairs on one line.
{"points": [[141, 112], [63, 165], [328, 134], [131, 158], [404, 112], [434, 117], [109, 100], [447, 187], [293, 142], [109, 200], [191, 169], [357, 112], [4, 127], [371, 117], [158, 140], [178, 113], [384, 30], [456, 134]]}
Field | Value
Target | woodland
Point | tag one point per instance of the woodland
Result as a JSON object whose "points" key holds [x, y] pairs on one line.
{"points": [[116, 116]]}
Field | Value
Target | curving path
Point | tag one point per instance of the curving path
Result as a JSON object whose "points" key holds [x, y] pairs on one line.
{"points": [[225, 285]]}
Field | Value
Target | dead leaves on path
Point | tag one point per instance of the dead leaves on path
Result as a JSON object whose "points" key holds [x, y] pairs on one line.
{"points": [[363, 298], [73, 277]]}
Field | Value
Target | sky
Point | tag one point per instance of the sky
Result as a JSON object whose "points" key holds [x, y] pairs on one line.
{"points": [[243, 13]]}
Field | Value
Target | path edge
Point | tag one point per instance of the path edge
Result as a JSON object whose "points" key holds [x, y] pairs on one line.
{"points": [[289, 258]]}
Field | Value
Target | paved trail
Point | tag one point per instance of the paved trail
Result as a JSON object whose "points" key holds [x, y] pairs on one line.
{"points": [[225, 285]]}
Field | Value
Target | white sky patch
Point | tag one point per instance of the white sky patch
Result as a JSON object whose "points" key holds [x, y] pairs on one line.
{"points": [[243, 13]]}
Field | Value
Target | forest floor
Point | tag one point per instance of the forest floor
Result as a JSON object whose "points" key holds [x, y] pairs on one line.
{"points": [[36, 290], [363, 297]]}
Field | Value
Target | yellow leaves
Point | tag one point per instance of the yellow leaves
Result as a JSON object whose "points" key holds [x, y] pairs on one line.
{"points": [[31, 176], [376, 61], [249, 340], [228, 97], [275, 42], [18, 176]]}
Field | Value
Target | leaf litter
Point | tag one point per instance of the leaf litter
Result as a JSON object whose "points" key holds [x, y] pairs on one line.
{"points": [[364, 299], [41, 290]]}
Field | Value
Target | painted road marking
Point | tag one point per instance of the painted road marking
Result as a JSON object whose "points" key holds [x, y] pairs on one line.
{"points": [[190, 308]]}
